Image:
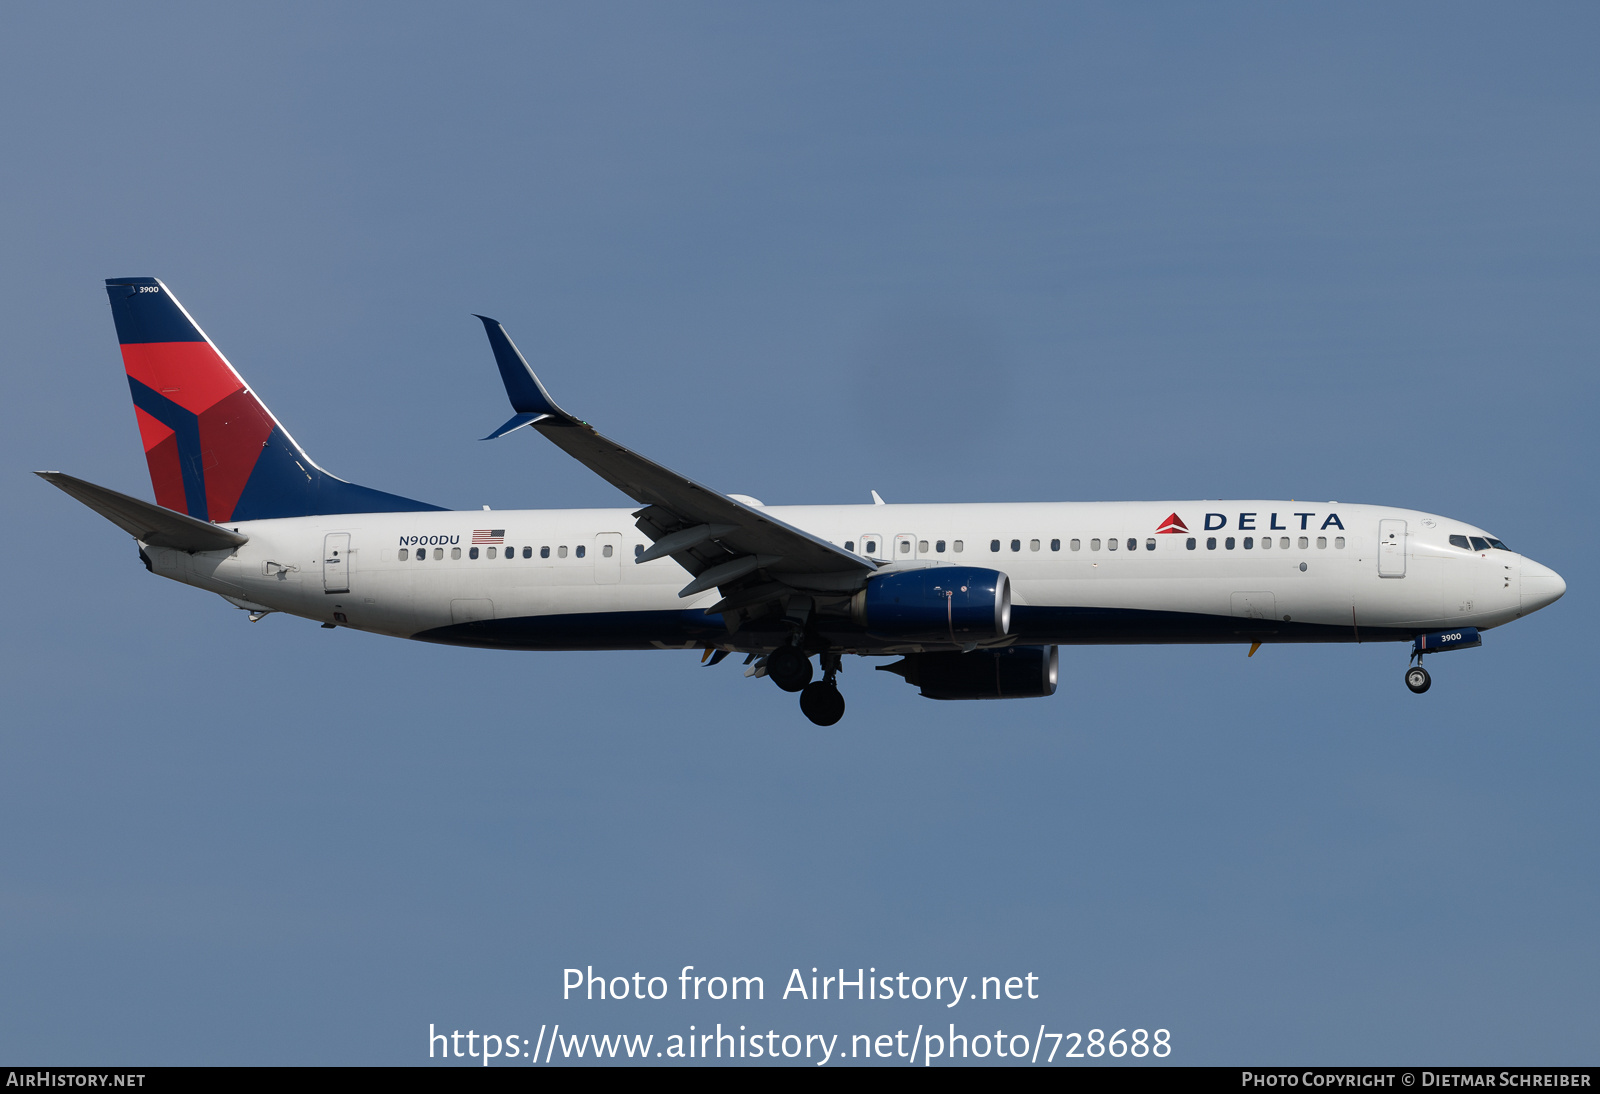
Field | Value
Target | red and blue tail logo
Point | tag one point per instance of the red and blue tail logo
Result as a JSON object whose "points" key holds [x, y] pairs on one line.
{"points": [[215, 452]]}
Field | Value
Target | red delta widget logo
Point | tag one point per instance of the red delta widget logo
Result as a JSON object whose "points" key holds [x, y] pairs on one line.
{"points": [[1173, 525]]}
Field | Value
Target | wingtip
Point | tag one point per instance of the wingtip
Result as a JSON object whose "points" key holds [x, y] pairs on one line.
{"points": [[516, 422], [523, 388]]}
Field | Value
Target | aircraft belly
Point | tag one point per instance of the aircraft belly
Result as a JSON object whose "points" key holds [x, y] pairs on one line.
{"points": [[1321, 597]]}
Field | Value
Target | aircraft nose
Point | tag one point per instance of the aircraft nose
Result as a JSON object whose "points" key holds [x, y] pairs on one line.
{"points": [[1541, 586]]}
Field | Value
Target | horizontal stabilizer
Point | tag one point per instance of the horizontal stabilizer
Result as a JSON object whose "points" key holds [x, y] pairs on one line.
{"points": [[144, 521]]}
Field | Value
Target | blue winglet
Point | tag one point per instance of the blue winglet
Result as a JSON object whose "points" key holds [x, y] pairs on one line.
{"points": [[517, 422], [528, 397]]}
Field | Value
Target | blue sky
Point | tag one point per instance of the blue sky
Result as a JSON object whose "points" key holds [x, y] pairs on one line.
{"points": [[947, 253]]}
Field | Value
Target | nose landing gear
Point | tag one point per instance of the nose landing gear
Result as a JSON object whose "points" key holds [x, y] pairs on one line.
{"points": [[1417, 679], [1463, 638]]}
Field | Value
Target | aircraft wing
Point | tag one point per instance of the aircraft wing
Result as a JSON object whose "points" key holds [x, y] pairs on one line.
{"points": [[747, 554]]}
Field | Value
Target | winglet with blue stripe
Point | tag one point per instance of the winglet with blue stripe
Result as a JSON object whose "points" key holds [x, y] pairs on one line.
{"points": [[529, 399]]}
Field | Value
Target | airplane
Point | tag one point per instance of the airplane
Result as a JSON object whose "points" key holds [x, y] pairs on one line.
{"points": [[974, 599]]}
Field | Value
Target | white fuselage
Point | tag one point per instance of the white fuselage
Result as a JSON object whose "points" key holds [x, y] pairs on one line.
{"points": [[566, 579]]}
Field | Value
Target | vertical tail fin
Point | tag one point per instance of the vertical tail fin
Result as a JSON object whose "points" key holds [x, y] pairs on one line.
{"points": [[215, 451]]}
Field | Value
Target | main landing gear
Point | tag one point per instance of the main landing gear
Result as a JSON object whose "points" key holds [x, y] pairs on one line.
{"points": [[790, 668], [1417, 679], [819, 699]]}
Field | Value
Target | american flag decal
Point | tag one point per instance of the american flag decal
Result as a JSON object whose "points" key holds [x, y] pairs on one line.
{"points": [[488, 535]]}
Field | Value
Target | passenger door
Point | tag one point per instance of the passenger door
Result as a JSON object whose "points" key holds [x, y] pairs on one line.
{"points": [[871, 546], [336, 562], [1391, 548]]}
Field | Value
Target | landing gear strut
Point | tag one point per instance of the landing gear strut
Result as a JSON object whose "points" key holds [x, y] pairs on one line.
{"points": [[821, 701], [1417, 679]]}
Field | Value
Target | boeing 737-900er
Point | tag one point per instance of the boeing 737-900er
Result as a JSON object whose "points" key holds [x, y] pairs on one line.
{"points": [[974, 599]]}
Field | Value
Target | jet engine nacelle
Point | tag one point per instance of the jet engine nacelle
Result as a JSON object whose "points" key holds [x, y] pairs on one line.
{"points": [[1015, 672], [958, 604]]}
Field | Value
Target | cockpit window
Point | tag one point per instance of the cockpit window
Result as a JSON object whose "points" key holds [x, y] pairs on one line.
{"points": [[1479, 543], [1461, 542], [1497, 545]]}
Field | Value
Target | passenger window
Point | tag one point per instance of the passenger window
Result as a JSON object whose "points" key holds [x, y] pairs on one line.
{"points": [[1461, 542], [472, 552], [870, 547], [1133, 544], [1211, 543], [958, 546], [922, 546], [1249, 542], [1479, 543], [455, 553], [438, 554], [849, 545], [1190, 544], [1283, 542], [994, 545], [905, 546], [511, 552], [1150, 545], [1033, 545], [1322, 543], [939, 547], [1304, 543], [1094, 545], [1076, 544], [1338, 542], [1016, 545], [404, 555], [579, 550], [489, 552], [606, 551], [527, 552], [1055, 545], [1228, 543], [1266, 543], [1111, 545], [544, 552], [561, 552]]}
